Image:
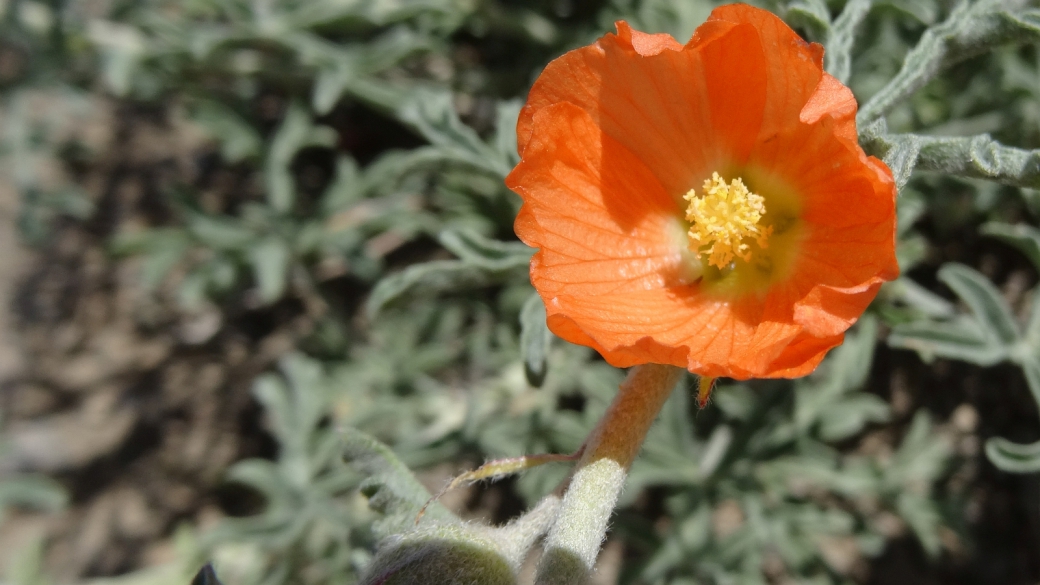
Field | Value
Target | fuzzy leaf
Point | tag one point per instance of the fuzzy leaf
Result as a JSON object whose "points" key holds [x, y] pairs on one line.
{"points": [[475, 249], [920, 298], [960, 339], [433, 115], [984, 300], [1024, 237], [219, 232], [162, 250], [296, 132], [980, 157], [238, 140], [390, 486], [971, 29], [340, 69], [270, 259], [535, 339], [1013, 457], [505, 131], [813, 15], [838, 57], [898, 151], [924, 519], [433, 277], [920, 458]]}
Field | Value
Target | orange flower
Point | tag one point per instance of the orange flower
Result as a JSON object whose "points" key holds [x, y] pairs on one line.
{"points": [[704, 205]]}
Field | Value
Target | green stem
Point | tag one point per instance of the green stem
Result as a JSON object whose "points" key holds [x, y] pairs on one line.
{"points": [[574, 540]]}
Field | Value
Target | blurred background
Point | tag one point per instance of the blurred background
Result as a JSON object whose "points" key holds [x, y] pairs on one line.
{"points": [[231, 226]]}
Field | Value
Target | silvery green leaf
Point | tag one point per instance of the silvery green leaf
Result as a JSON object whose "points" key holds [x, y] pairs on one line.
{"points": [[264, 477], [920, 458], [846, 417], [1013, 457], [924, 11], [331, 81], [979, 157], [238, 140], [306, 382], [382, 176], [924, 519], [971, 29], [1031, 368], [902, 158], [162, 250], [851, 362], [473, 248], [433, 277], [505, 130], [813, 15], [123, 47], [270, 259], [296, 132], [678, 19], [535, 339], [344, 188], [218, 232], [910, 207], [910, 251], [920, 298], [338, 69], [842, 33], [390, 486], [960, 338], [433, 115], [984, 300], [898, 151], [1022, 236], [831, 407], [736, 400], [692, 533]]}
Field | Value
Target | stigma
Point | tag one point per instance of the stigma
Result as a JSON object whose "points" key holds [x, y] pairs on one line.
{"points": [[725, 220]]}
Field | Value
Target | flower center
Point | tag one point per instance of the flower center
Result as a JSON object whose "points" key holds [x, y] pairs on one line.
{"points": [[724, 220]]}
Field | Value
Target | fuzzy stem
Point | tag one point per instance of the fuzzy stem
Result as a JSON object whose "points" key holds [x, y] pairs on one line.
{"points": [[575, 538]]}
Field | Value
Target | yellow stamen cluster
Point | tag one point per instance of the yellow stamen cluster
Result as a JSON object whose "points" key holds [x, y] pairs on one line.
{"points": [[724, 218]]}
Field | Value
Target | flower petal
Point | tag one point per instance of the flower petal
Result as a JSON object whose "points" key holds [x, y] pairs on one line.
{"points": [[647, 93], [601, 219], [791, 67], [613, 134]]}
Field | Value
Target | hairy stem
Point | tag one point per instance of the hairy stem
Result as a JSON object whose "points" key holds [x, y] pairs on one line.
{"points": [[575, 538]]}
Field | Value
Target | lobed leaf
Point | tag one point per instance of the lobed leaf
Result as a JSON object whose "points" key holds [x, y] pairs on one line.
{"points": [[960, 339], [270, 259], [477, 250], [238, 139], [980, 157], [432, 114], [972, 28], [390, 486], [985, 301], [841, 34]]}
